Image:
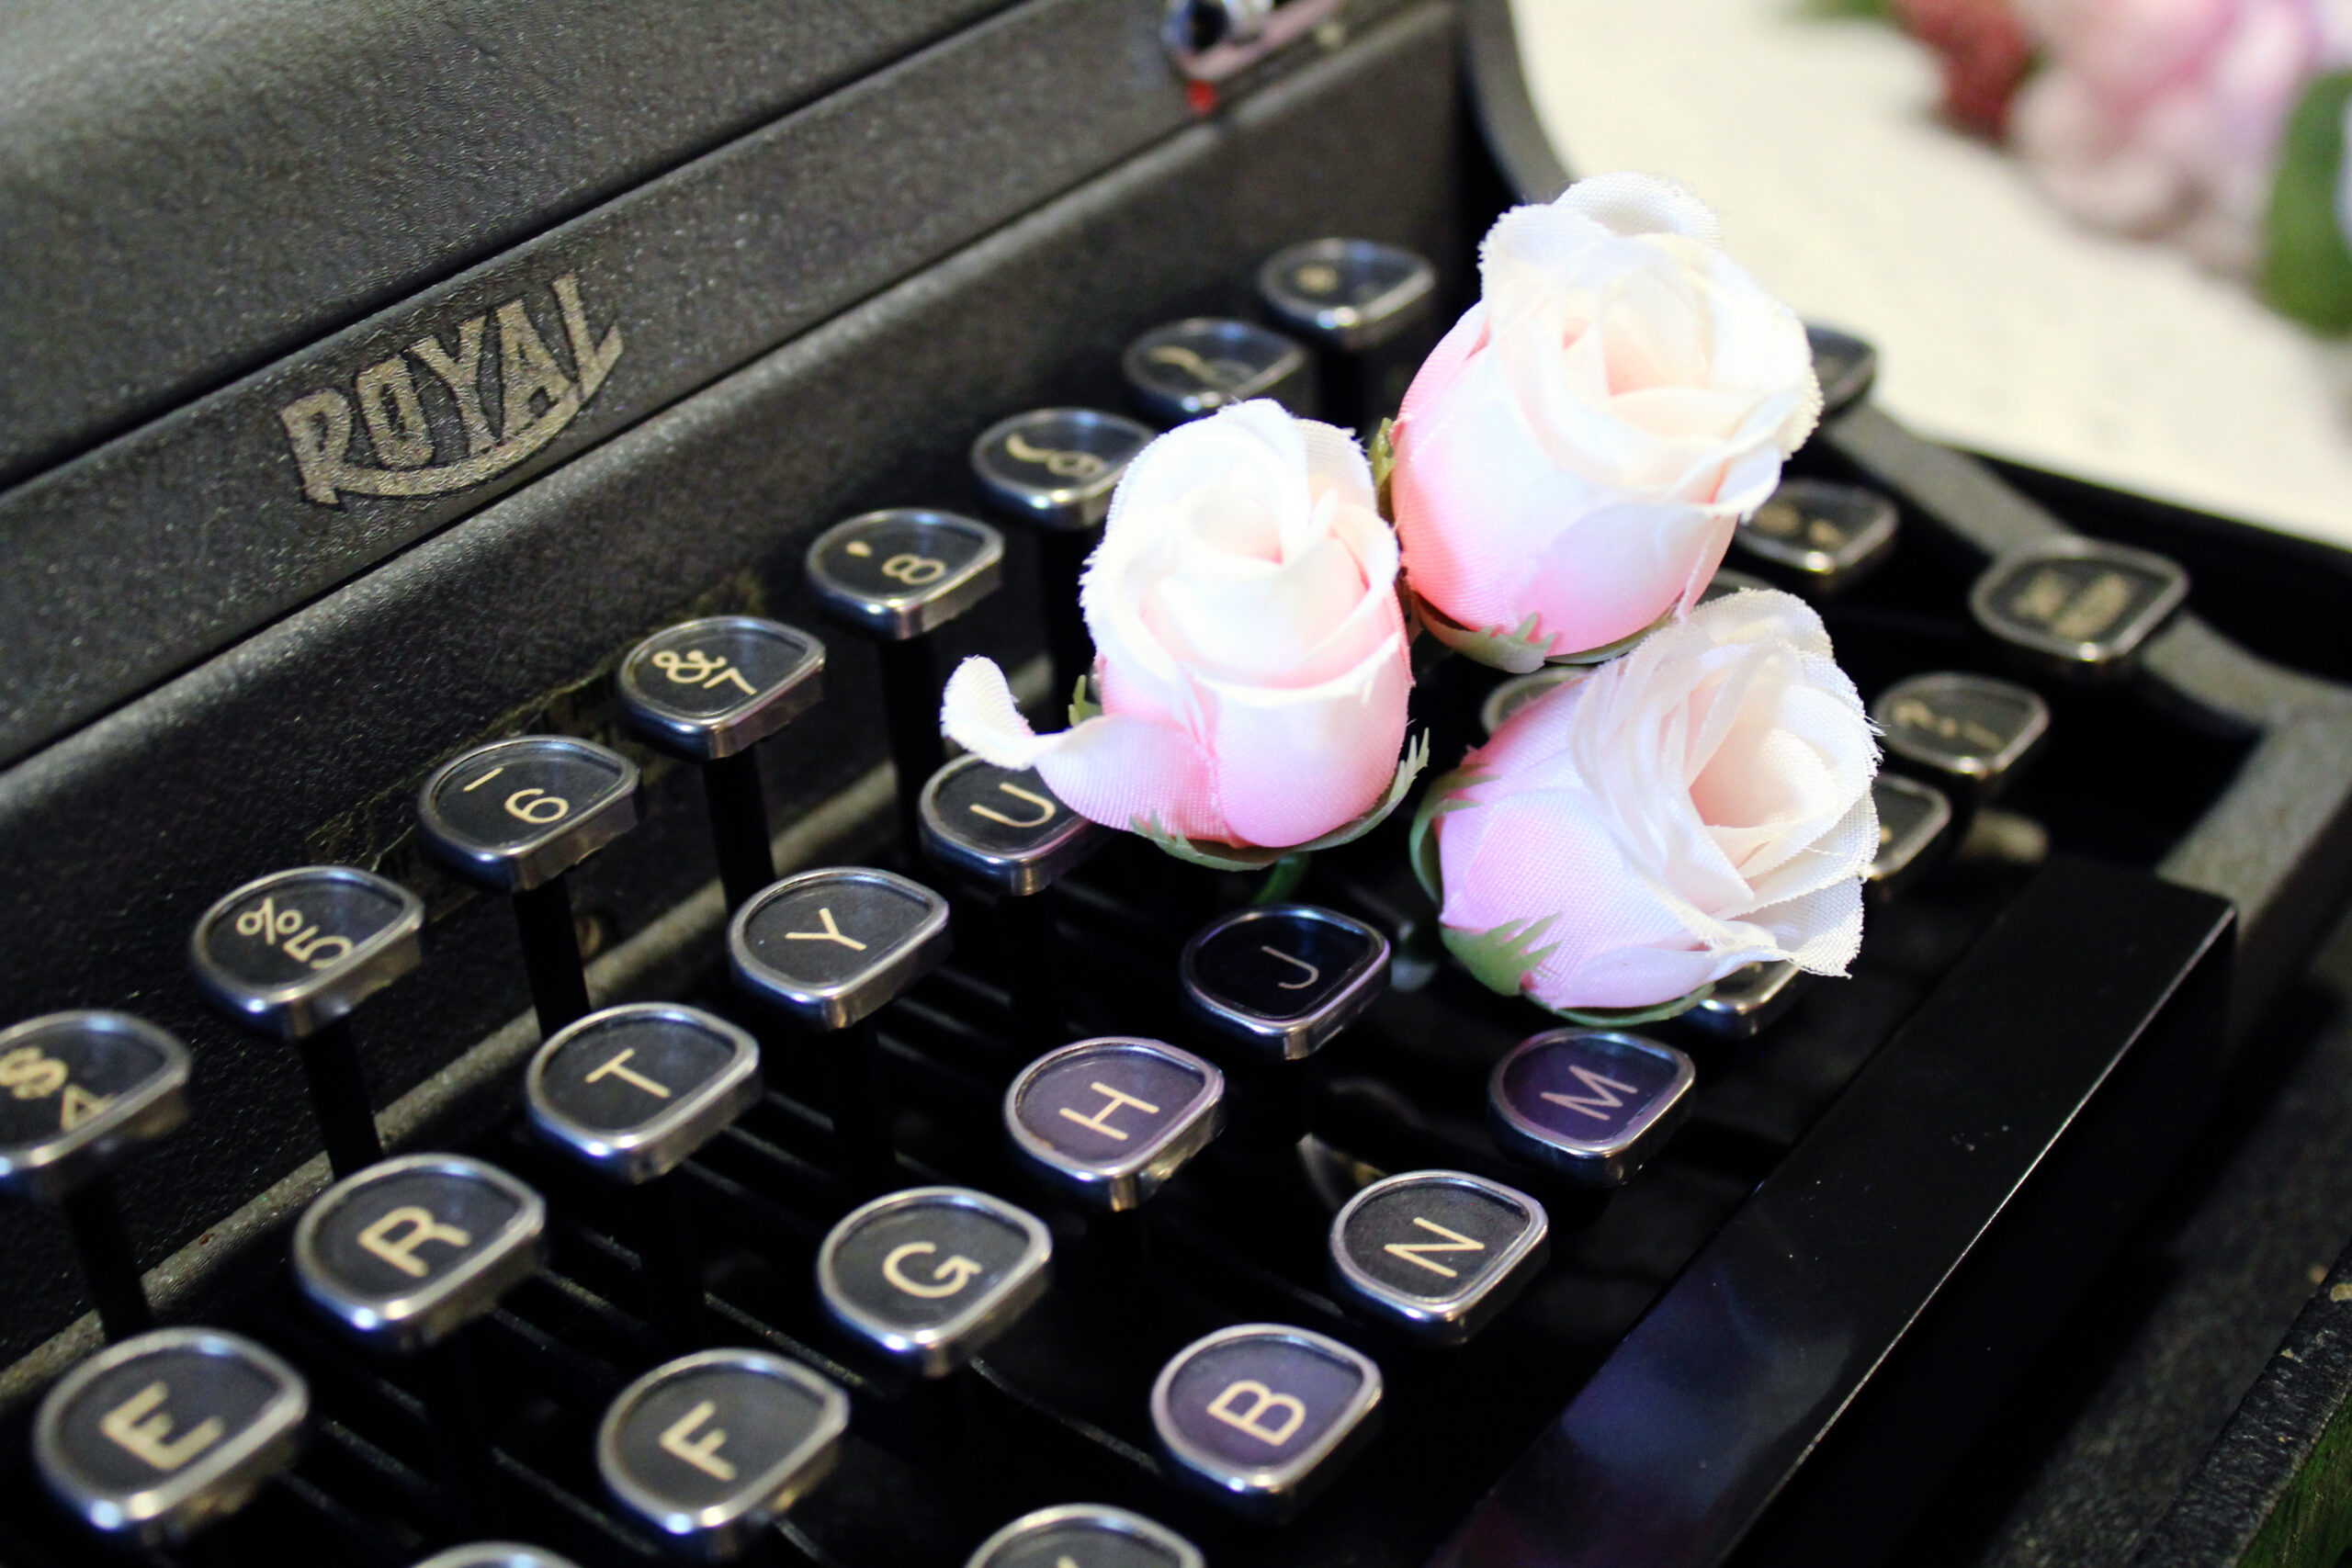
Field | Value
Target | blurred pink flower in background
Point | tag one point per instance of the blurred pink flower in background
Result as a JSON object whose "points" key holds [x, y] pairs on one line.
{"points": [[1985, 51], [2162, 117], [1574, 455], [1251, 656], [1702, 802]]}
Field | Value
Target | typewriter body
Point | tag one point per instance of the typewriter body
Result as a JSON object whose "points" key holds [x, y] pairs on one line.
{"points": [[381, 378]]}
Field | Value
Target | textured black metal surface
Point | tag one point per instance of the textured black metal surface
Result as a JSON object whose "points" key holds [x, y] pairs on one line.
{"points": [[188, 188], [307, 741], [1819, 1292]]}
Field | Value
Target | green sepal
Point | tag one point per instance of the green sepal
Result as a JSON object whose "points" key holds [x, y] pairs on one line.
{"points": [[1234, 857], [1082, 702], [1517, 652], [1384, 464], [1445, 794], [2307, 257], [1618, 649], [1499, 957]]}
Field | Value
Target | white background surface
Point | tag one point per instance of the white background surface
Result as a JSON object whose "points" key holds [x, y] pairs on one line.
{"points": [[2001, 325]]}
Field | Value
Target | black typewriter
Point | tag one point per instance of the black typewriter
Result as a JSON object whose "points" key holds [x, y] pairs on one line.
{"points": [[526, 1051]]}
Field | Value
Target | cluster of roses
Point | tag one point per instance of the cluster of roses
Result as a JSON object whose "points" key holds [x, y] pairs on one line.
{"points": [[1565, 475]]}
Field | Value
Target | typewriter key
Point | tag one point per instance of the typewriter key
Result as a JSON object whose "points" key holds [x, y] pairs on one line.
{"points": [[1818, 536], [1261, 1415], [153, 1439], [1110, 1120], [1085, 1533], [930, 1276], [2079, 606], [897, 576], [1911, 816], [632, 1092], [1188, 368], [1725, 582], [85, 1090], [1367, 306], [1969, 730], [1055, 469], [513, 817], [1845, 365], [1007, 831], [827, 948], [1438, 1253], [1592, 1104], [1745, 1001], [1283, 977], [712, 1449], [293, 953], [709, 691], [494, 1554]]}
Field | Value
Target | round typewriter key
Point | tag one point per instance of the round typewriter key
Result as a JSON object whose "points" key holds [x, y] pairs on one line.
{"points": [[1845, 365], [294, 954], [1592, 1104], [712, 1449], [1188, 368], [84, 1092], [1972, 730], [931, 1275], [1911, 817], [2078, 605], [897, 576], [1055, 469], [1745, 1001], [1367, 306], [826, 949], [1823, 537], [1285, 978], [1111, 1119], [494, 1554], [1007, 831], [513, 817], [1437, 1252], [1260, 1414], [631, 1092], [154, 1439], [1521, 690], [707, 691], [1091, 1534]]}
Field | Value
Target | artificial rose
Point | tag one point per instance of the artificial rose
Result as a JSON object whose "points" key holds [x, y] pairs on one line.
{"points": [[1251, 652], [1702, 802], [2161, 117], [1573, 458]]}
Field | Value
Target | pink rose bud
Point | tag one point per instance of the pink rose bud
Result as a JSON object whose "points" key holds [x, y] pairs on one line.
{"points": [[1250, 650], [1702, 802], [1574, 455]]}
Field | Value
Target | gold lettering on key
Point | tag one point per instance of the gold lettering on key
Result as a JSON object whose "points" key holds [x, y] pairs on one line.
{"points": [[831, 933], [1603, 1101], [617, 1068], [268, 923], [29, 1072], [1913, 713], [1060, 462], [701, 1452], [1211, 372], [537, 807], [1114, 1100], [1045, 812], [696, 667], [2108, 595], [1410, 1251], [946, 1277], [139, 1426], [1262, 1399], [1313, 973], [416, 1227], [914, 571]]}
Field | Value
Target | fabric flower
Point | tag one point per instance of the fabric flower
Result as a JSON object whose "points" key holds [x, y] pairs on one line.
{"points": [[1573, 458], [1702, 802], [1251, 655], [1984, 54], [2162, 117]]}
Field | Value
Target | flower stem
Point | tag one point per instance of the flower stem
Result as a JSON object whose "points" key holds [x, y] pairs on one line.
{"points": [[1283, 878]]}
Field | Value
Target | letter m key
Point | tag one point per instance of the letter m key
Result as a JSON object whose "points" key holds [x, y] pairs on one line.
{"points": [[1604, 1094]]}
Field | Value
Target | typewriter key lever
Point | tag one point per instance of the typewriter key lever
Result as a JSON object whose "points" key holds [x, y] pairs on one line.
{"points": [[1055, 469], [1007, 831], [85, 1091], [1089, 1533], [897, 576], [711, 1449], [1591, 1104], [709, 691], [292, 954], [512, 817], [2081, 607], [1436, 1253], [631, 1092], [828, 949], [1261, 1416], [406, 1254], [1367, 306], [1193, 367], [153, 1439]]}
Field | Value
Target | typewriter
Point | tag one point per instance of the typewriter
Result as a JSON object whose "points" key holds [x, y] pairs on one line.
{"points": [[522, 1049]]}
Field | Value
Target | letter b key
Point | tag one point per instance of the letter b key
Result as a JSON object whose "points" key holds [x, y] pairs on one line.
{"points": [[1260, 1414]]}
